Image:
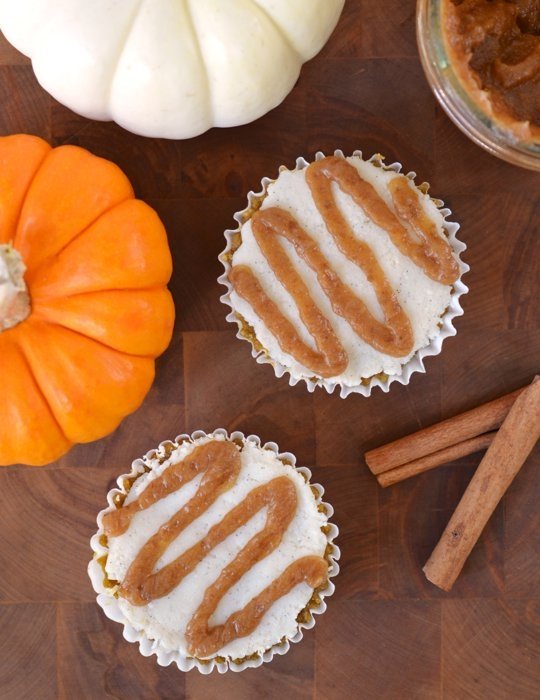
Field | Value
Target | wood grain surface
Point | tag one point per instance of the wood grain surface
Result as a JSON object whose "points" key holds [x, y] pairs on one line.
{"points": [[388, 634]]}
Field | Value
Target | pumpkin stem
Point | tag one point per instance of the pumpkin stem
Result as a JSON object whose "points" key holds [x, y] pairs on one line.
{"points": [[14, 297]]}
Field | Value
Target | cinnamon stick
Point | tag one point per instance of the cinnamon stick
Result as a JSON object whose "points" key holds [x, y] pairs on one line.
{"points": [[442, 435], [504, 458], [449, 454]]}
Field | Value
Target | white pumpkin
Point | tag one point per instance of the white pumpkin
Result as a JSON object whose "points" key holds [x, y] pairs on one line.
{"points": [[169, 68]]}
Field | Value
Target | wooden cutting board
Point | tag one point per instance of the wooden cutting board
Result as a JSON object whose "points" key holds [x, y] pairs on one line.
{"points": [[387, 632]]}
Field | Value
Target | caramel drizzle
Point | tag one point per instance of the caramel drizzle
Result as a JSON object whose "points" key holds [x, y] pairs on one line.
{"points": [[220, 464], [393, 337], [430, 252]]}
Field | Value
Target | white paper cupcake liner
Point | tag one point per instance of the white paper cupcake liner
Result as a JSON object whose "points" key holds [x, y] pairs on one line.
{"points": [[416, 363], [147, 646]]}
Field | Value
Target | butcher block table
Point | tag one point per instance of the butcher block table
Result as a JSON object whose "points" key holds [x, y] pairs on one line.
{"points": [[387, 633]]}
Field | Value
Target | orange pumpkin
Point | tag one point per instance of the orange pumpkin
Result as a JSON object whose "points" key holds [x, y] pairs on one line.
{"points": [[84, 308]]}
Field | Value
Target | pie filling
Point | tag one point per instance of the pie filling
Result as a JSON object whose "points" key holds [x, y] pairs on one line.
{"points": [[499, 40]]}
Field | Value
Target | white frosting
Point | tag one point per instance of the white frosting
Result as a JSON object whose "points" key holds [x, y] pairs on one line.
{"points": [[165, 619], [423, 299]]}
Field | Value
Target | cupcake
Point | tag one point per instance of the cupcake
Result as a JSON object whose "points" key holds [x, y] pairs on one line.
{"points": [[214, 552], [343, 273]]}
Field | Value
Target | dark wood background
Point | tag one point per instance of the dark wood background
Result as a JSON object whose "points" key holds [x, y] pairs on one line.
{"points": [[388, 634]]}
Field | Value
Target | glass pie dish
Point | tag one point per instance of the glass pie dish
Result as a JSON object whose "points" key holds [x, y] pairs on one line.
{"points": [[469, 108]]}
